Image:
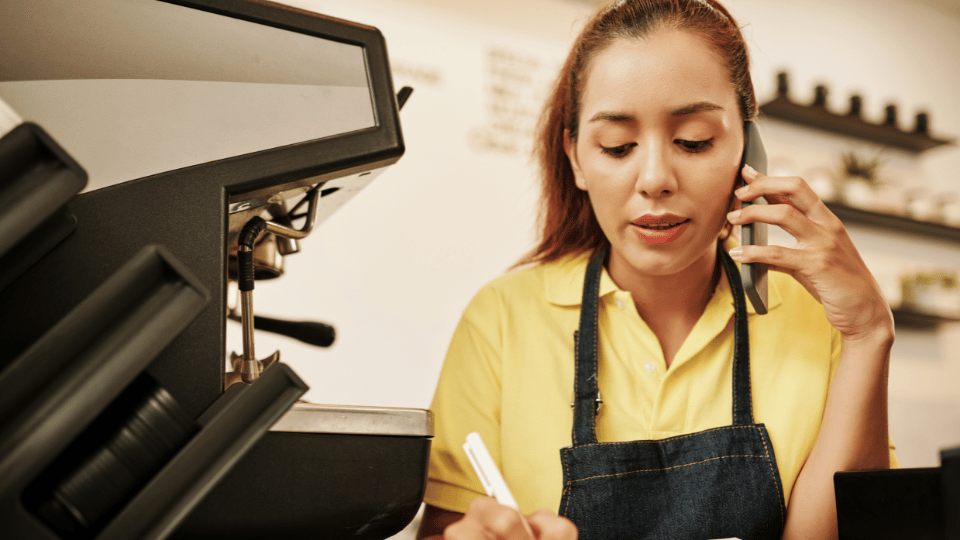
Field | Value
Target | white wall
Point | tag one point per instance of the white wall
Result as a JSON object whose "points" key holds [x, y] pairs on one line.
{"points": [[393, 268]]}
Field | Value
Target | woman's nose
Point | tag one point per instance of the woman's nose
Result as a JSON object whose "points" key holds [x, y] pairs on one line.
{"points": [[655, 176]]}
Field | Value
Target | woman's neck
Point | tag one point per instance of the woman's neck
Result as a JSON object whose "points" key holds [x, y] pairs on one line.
{"points": [[672, 304]]}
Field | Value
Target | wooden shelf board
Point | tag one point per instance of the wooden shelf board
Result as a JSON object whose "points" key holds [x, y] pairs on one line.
{"points": [[909, 318], [891, 222], [819, 117]]}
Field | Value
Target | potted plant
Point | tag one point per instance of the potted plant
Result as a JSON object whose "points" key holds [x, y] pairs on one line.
{"points": [[935, 292], [859, 178]]}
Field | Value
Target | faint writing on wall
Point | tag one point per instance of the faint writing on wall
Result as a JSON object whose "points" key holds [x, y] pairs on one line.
{"points": [[414, 74], [516, 85]]}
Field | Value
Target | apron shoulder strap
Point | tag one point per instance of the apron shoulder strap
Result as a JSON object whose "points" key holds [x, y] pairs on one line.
{"points": [[587, 342], [742, 392]]}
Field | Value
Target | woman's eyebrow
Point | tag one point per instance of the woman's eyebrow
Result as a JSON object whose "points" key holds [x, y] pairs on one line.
{"points": [[695, 108], [612, 117]]}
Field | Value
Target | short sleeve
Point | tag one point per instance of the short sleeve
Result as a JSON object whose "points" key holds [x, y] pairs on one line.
{"points": [[467, 399]]}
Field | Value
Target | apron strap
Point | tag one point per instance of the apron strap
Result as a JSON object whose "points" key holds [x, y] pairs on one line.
{"points": [[742, 392], [586, 345]]}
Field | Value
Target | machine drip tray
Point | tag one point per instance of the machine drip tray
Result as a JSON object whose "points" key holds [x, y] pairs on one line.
{"points": [[322, 472]]}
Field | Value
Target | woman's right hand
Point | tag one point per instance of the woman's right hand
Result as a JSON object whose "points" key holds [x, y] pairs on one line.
{"points": [[487, 519]]}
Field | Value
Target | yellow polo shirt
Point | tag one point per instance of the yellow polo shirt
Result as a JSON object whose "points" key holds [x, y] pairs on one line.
{"points": [[509, 376]]}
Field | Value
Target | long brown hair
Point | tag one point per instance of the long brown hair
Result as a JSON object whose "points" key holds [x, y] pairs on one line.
{"points": [[567, 222]]}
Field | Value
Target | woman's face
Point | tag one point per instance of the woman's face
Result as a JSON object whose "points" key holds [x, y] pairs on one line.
{"points": [[658, 151]]}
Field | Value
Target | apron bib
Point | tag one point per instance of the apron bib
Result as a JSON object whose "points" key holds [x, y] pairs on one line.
{"points": [[718, 483]]}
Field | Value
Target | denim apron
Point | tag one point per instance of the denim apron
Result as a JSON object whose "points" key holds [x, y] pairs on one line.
{"points": [[718, 483]]}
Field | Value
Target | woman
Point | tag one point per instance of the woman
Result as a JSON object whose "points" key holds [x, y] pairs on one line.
{"points": [[715, 421]]}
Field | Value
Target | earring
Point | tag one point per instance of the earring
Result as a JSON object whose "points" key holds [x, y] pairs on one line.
{"points": [[726, 232], [728, 227]]}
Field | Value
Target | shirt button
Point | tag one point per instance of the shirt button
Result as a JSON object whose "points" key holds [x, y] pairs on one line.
{"points": [[649, 367], [619, 302]]}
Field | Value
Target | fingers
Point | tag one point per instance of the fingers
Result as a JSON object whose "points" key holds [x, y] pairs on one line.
{"points": [[794, 206], [487, 519], [791, 190], [784, 216], [548, 526], [778, 258]]}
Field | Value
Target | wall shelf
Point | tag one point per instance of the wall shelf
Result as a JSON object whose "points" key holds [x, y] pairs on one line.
{"points": [[887, 133], [819, 117], [904, 317], [852, 123], [890, 222], [908, 318]]}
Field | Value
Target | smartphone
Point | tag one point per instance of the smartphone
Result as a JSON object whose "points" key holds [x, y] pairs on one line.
{"points": [[754, 275]]}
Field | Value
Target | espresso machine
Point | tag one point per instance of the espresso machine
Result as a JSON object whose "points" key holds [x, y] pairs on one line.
{"points": [[157, 159]]}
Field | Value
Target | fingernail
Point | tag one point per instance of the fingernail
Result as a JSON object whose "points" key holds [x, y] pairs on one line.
{"points": [[736, 252], [741, 191], [732, 216], [749, 170]]}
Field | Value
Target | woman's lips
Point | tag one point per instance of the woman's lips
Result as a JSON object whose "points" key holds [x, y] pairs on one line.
{"points": [[661, 229]]}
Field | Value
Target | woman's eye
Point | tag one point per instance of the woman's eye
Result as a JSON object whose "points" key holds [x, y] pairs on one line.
{"points": [[694, 146], [618, 151]]}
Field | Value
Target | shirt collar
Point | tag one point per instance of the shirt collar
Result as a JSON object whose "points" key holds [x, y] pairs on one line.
{"points": [[564, 282]]}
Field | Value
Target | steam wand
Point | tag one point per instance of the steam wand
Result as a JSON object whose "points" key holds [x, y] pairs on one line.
{"points": [[250, 367]]}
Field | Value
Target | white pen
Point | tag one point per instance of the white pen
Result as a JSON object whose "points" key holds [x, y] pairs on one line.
{"points": [[487, 471]]}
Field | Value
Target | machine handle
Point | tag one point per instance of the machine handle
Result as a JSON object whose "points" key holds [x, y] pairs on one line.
{"points": [[314, 333]]}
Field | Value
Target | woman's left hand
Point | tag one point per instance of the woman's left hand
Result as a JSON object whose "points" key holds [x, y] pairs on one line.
{"points": [[824, 261]]}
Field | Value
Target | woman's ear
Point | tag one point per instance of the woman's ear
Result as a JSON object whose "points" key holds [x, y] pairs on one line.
{"points": [[570, 147]]}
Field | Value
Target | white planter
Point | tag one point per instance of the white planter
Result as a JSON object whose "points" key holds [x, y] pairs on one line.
{"points": [[824, 186], [950, 212], [858, 193], [890, 199], [923, 207]]}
